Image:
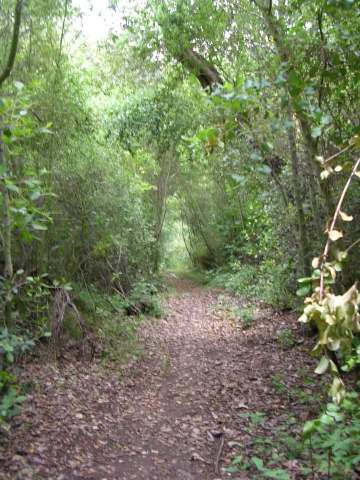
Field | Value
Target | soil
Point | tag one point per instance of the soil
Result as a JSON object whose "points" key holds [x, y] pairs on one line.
{"points": [[175, 414]]}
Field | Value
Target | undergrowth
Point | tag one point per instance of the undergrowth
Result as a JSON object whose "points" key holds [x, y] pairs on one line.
{"points": [[11, 347], [328, 447], [115, 319], [269, 282]]}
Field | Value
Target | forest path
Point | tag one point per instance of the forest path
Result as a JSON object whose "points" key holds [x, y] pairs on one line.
{"points": [[175, 412]]}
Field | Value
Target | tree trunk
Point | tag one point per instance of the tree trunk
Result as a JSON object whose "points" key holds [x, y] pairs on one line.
{"points": [[6, 224], [303, 238], [8, 264], [310, 143]]}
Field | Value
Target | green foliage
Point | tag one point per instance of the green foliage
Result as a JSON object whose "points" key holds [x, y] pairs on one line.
{"points": [[286, 339], [10, 396], [117, 337], [268, 282], [113, 321], [329, 445], [267, 472], [247, 317], [336, 316], [278, 383], [11, 346], [144, 298], [334, 438]]}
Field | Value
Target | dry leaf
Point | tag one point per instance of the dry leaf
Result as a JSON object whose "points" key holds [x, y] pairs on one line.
{"points": [[345, 217], [315, 262], [335, 235]]}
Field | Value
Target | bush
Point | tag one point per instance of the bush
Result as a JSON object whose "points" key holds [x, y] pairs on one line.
{"points": [[269, 282], [286, 339], [144, 298], [334, 439], [11, 346], [247, 318]]}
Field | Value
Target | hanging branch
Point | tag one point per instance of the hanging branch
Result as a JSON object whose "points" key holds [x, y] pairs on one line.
{"points": [[14, 42], [332, 228], [205, 72]]}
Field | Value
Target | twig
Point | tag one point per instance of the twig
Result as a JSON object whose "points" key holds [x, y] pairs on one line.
{"points": [[337, 154], [218, 456], [352, 245]]}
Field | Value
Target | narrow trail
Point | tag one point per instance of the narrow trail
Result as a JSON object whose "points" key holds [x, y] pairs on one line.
{"points": [[175, 415]]}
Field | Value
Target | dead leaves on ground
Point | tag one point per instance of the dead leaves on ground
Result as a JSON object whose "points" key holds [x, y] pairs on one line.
{"points": [[200, 376]]}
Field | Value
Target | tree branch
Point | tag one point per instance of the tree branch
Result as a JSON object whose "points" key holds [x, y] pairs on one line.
{"points": [[332, 227], [14, 42], [205, 72]]}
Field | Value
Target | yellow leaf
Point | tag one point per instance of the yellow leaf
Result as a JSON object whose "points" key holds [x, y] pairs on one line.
{"points": [[325, 174], [330, 320], [315, 262], [303, 318], [332, 271], [345, 217], [335, 235], [338, 168]]}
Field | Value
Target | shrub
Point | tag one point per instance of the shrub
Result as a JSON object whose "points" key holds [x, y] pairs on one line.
{"points": [[269, 282], [286, 339], [334, 439], [247, 317], [11, 346], [144, 298]]}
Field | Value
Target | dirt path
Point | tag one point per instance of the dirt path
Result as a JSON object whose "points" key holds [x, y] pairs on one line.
{"points": [[177, 413]]}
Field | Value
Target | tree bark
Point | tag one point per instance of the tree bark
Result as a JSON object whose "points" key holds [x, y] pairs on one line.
{"points": [[14, 43], [303, 238], [6, 218], [6, 224], [309, 141], [205, 72]]}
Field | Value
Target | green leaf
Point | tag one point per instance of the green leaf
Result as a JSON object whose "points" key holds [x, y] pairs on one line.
{"points": [[256, 157], [18, 85], [267, 147], [232, 469], [303, 291], [39, 226], [238, 178], [11, 186], [257, 462], [305, 280], [264, 169], [35, 195], [310, 427], [316, 132]]}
